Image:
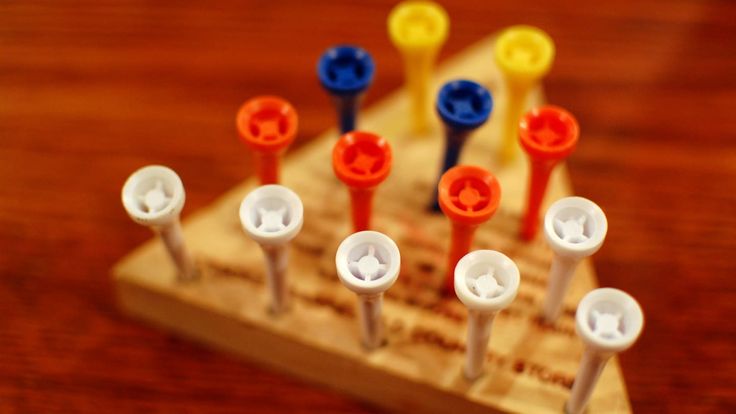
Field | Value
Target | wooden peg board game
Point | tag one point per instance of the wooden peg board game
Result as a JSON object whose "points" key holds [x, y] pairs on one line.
{"points": [[530, 366]]}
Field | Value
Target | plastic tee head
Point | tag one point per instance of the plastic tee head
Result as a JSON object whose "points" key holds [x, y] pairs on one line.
{"points": [[345, 70], [469, 195], [486, 281], [524, 54], [272, 215], [361, 159], [464, 105], [609, 320], [267, 124], [575, 227], [368, 262], [416, 26], [548, 133], [153, 196]]}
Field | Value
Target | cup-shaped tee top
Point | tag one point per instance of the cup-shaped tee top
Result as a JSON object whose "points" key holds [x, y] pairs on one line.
{"points": [[609, 320], [469, 195], [548, 133], [416, 26], [267, 124], [524, 54], [153, 196], [361, 159], [345, 70], [464, 104]]}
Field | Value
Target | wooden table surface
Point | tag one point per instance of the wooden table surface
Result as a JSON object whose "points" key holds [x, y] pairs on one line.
{"points": [[91, 91]]}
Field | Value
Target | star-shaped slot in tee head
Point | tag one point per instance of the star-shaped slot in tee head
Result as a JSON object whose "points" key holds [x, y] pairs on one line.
{"points": [[486, 286], [345, 72], [548, 133], [268, 128], [572, 230], [363, 163], [368, 267], [271, 220], [522, 53], [155, 199], [606, 325], [462, 106], [417, 25]]}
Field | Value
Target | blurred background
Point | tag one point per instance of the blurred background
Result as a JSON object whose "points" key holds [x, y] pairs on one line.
{"points": [[92, 90]]}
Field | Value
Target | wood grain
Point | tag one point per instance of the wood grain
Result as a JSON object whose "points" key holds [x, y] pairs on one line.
{"points": [[89, 91]]}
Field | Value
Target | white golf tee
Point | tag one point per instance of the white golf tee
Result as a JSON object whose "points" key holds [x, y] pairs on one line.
{"points": [[575, 228], [368, 264], [486, 282], [154, 196], [608, 321], [272, 215]]}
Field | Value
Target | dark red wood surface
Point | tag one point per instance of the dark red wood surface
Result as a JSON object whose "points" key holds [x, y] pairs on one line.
{"points": [[91, 90]]}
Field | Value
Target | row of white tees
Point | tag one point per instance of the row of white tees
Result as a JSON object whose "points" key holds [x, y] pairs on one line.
{"points": [[486, 282]]}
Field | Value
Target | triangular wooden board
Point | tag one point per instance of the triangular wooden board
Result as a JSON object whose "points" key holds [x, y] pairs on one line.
{"points": [[530, 366]]}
